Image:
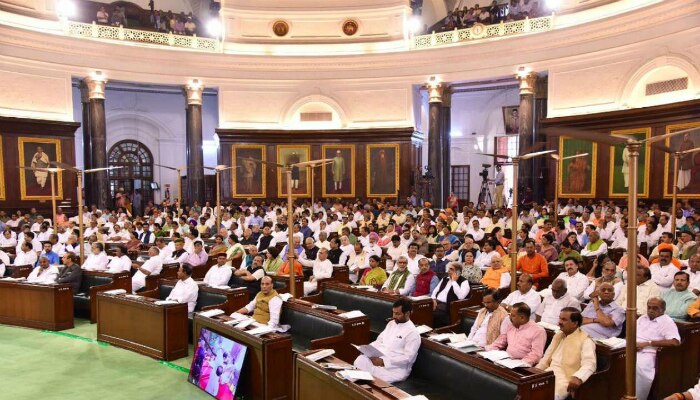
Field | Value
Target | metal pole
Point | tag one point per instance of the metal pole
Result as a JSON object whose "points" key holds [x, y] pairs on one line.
{"points": [[514, 228], [676, 159], [312, 186], [556, 192], [53, 198], [218, 201], [80, 216], [290, 235], [179, 191], [631, 336]]}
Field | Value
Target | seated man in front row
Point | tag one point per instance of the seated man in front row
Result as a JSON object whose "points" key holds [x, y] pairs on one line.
{"points": [[523, 339], [45, 273], [571, 355], [399, 342], [186, 290], [71, 272], [152, 266], [266, 306], [603, 318]]}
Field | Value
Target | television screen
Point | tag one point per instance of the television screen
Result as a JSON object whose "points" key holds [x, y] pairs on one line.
{"points": [[216, 365]]}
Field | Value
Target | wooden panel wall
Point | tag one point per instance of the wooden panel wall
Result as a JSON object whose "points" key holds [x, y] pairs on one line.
{"points": [[409, 141], [13, 128], [657, 118]]}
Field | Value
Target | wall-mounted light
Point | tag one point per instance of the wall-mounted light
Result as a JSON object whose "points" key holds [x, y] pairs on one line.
{"points": [[523, 71], [553, 4], [214, 27], [414, 25], [65, 9]]}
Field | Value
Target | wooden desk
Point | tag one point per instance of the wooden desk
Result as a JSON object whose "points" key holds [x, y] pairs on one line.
{"points": [[18, 271], [312, 381], [267, 369], [284, 280], [36, 306], [139, 325]]}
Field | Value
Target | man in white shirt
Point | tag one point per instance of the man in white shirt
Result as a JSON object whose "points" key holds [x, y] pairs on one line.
{"points": [[7, 239], [266, 306], [694, 272], [186, 290], [451, 288], [399, 342], [413, 258], [553, 303], [322, 242], [26, 256], [400, 281], [219, 274], [394, 250], [655, 330], [576, 282], [152, 266], [120, 261], [662, 272], [165, 253], [483, 260], [322, 268], [526, 293], [97, 260], [595, 247], [44, 273], [646, 289]]}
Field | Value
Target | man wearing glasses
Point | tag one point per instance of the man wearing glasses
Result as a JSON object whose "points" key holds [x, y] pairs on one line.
{"points": [[401, 281]]}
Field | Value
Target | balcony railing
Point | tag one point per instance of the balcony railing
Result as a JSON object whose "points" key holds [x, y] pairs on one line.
{"points": [[479, 32], [95, 31]]}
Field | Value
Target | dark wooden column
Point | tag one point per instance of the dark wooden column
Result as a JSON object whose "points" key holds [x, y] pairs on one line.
{"points": [[526, 112], [435, 145], [195, 153], [99, 181], [541, 163], [446, 142], [87, 142]]}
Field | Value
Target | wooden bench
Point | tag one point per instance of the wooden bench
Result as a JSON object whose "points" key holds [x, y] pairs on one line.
{"points": [[93, 282]]}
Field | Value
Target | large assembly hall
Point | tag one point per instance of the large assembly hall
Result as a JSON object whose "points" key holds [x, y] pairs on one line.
{"points": [[350, 200]]}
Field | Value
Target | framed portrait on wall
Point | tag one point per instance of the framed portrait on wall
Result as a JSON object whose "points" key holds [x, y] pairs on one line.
{"points": [[619, 167], [577, 176], [382, 170], [511, 119], [249, 176], [38, 153], [688, 164], [2, 172], [338, 179], [301, 176]]}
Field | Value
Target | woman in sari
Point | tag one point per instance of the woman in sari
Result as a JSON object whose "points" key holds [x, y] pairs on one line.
{"points": [[219, 246], [273, 261], [548, 251], [374, 275]]}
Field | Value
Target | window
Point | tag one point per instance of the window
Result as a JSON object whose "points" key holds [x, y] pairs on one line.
{"points": [[460, 181], [136, 172]]}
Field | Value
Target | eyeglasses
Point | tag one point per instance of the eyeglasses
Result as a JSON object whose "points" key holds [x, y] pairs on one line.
{"points": [[403, 262]]}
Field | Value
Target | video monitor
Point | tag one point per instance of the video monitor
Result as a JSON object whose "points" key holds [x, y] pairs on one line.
{"points": [[216, 365]]}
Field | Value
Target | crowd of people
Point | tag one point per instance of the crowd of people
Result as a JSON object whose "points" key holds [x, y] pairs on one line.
{"points": [[161, 21], [411, 249], [494, 13]]}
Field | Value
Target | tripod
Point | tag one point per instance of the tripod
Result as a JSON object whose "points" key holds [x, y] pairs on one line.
{"points": [[485, 193]]}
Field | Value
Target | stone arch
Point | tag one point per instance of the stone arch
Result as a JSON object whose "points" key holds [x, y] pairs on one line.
{"points": [[658, 69]]}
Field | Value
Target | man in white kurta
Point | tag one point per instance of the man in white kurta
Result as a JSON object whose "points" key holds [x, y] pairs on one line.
{"points": [[526, 293], [571, 355], [323, 268], [26, 256], [119, 262], [576, 282], [219, 274], [663, 271], [152, 266], [399, 342], [552, 304], [44, 273], [186, 290], [655, 329]]}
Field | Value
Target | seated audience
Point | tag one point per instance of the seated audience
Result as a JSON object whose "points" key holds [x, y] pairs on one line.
{"points": [[71, 272], [496, 276], [220, 273], [576, 282], [603, 318], [399, 342], [97, 260], [452, 287], [608, 276], [120, 261], [491, 321], [526, 293], [646, 289], [266, 306], [152, 266], [523, 339], [426, 280], [249, 277], [533, 263], [679, 298], [272, 260], [375, 275], [553, 303], [186, 289], [45, 273], [663, 271], [322, 269], [400, 281], [470, 271]]}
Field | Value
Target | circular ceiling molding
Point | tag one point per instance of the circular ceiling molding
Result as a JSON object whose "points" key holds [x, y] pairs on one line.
{"points": [[280, 28], [350, 27]]}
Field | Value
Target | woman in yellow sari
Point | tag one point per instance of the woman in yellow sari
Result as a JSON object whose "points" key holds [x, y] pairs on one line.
{"points": [[374, 275]]}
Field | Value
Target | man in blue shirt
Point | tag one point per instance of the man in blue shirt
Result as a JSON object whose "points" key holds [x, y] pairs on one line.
{"points": [[48, 253]]}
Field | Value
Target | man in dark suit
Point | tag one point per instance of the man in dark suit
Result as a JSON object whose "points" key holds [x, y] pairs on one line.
{"points": [[71, 273]]}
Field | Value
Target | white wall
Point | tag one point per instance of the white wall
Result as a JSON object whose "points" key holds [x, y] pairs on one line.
{"points": [[158, 121]]}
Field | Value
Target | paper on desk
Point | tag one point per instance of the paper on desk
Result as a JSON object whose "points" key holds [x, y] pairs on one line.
{"points": [[547, 325], [115, 291], [355, 375], [261, 330], [165, 302], [511, 363], [285, 296], [423, 329], [222, 287], [494, 355], [441, 337], [320, 355], [463, 344], [324, 307], [352, 314], [615, 343], [211, 313], [238, 317], [245, 323], [458, 337], [416, 298], [133, 296], [369, 350]]}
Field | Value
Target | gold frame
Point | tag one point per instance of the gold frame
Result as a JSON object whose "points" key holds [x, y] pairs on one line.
{"points": [[2, 173], [350, 167], [22, 172], [281, 170], [647, 157], [396, 169], [668, 168], [594, 170], [263, 166]]}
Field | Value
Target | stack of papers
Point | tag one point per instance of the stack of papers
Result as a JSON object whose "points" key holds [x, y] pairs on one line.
{"points": [[547, 325], [336, 366], [211, 313], [222, 287], [510, 363], [238, 317], [320, 355], [369, 350], [164, 302], [285, 296], [352, 314], [416, 298], [133, 296], [261, 330], [355, 375], [615, 343], [245, 323], [423, 329], [115, 291], [494, 355], [324, 307], [441, 337]]}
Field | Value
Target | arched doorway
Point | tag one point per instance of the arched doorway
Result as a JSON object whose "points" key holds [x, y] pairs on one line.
{"points": [[136, 175]]}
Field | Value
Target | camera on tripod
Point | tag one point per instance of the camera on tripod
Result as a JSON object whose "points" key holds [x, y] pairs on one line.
{"points": [[484, 174]]}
